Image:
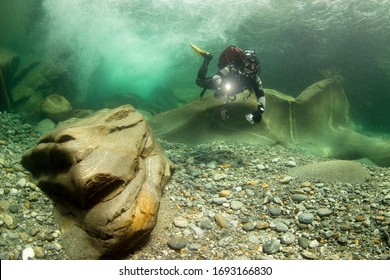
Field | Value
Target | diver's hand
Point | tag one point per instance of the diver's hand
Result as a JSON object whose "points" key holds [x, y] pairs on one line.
{"points": [[255, 117]]}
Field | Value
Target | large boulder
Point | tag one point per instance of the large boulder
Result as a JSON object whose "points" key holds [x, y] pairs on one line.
{"points": [[318, 121], [106, 172], [9, 62], [4, 99], [56, 107]]}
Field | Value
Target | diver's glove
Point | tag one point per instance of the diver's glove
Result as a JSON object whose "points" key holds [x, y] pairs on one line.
{"points": [[256, 116]]}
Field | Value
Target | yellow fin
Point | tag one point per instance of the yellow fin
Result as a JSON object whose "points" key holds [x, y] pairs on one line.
{"points": [[199, 51]]}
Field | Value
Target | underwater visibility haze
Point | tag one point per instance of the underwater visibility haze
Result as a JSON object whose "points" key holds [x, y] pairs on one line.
{"points": [[142, 48]]}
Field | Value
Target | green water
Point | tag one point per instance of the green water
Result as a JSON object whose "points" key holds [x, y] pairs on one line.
{"points": [[142, 47]]}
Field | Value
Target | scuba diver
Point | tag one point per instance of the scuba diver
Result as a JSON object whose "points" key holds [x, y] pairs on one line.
{"points": [[238, 70]]}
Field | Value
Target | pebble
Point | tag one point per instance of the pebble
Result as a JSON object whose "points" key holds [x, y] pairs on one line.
{"points": [[253, 239], [248, 226], [21, 183], [177, 243], [314, 244], [219, 200], [308, 255], [224, 193], [324, 212], [281, 227], [360, 218], [345, 226], [236, 205], [221, 221], [194, 246], [206, 224], [225, 241], [288, 238], [291, 163], [14, 208], [8, 221], [306, 218], [197, 230], [262, 225], [180, 222], [272, 246], [218, 177], [28, 253], [275, 211], [286, 180], [298, 197], [303, 242]]}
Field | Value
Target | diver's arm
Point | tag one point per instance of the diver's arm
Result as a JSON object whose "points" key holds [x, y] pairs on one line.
{"points": [[258, 89], [256, 116]]}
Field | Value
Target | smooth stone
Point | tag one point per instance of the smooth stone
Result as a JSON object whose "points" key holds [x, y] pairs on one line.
{"points": [[253, 239], [3, 242], [14, 208], [299, 197], [21, 183], [224, 241], [4, 204], [177, 243], [220, 220], [248, 226], [194, 246], [262, 225], [272, 246], [249, 192], [275, 211], [360, 218], [224, 193], [57, 246], [206, 224], [308, 255], [180, 222], [303, 242], [345, 226], [281, 227], [288, 238], [286, 180], [28, 253], [219, 200], [342, 240], [236, 205], [14, 235], [8, 221], [314, 244], [324, 212], [306, 218], [197, 230], [39, 252], [212, 164], [218, 177], [291, 163]]}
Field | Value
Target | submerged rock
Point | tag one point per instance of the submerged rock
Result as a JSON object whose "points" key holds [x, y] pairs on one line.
{"points": [[106, 172], [332, 171], [318, 121], [56, 107]]}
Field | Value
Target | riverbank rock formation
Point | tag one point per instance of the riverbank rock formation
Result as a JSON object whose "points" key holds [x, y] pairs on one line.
{"points": [[106, 173], [318, 121]]}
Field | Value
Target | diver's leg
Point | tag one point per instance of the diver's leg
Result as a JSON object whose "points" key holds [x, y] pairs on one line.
{"points": [[201, 79]]}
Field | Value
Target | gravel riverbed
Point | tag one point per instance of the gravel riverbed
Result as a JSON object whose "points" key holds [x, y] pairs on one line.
{"points": [[225, 201]]}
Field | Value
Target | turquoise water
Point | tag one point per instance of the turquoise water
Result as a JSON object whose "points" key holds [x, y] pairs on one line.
{"points": [[142, 47]]}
